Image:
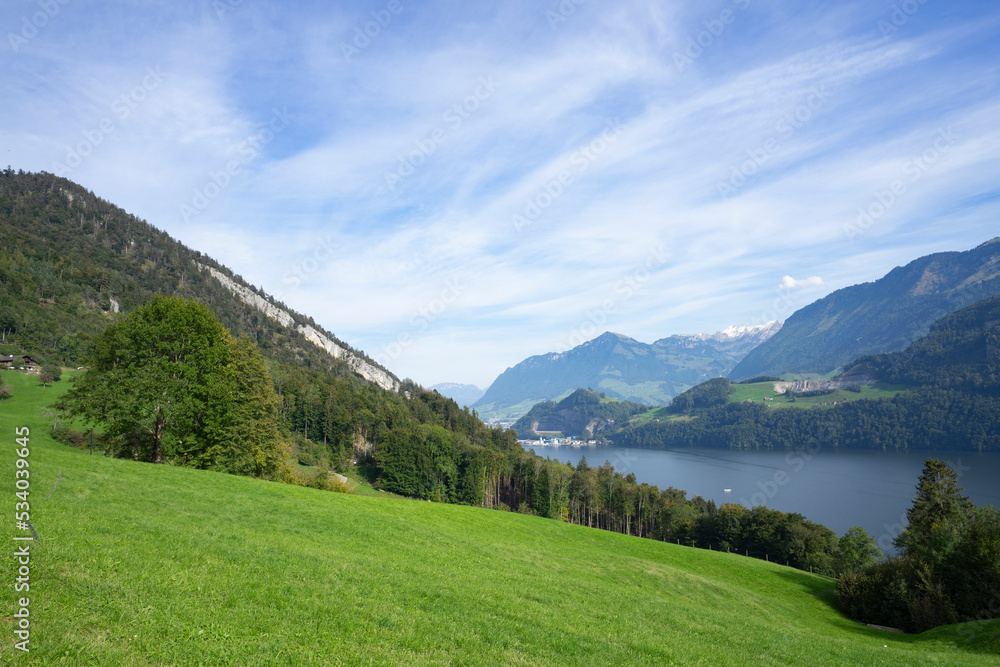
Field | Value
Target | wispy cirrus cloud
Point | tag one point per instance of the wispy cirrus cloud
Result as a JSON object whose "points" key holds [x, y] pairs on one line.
{"points": [[765, 150]]}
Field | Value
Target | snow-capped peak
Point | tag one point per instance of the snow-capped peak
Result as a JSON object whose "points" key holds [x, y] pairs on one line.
{"points": [[736, 332]]}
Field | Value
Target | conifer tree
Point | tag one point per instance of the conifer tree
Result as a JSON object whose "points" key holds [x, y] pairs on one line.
{"points": [[938, 515]]}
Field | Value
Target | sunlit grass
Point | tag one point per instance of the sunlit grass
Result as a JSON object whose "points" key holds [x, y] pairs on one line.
{"points": [[156, 565]]}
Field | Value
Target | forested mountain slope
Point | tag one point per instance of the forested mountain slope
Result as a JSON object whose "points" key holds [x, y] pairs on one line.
{"points": [[952, 402], [70, 260], [583, 414], [71, 263]]}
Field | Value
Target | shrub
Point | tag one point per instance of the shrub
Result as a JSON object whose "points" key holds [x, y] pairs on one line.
{"points": [[878, 595], [322, 479]]}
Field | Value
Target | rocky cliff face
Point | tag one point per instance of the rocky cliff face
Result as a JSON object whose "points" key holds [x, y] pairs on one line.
{"points": [[856, 376], [317, 338]]}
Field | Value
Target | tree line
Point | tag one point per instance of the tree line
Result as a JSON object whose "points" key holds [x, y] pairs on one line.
{"points": [[945, 419]]}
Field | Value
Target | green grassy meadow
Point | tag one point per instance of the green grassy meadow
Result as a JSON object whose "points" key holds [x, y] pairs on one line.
{"points": [[154, 565], [757, 391]]}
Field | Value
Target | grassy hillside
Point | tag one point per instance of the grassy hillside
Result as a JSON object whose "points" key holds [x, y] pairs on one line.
{"points": [[154, 565]]}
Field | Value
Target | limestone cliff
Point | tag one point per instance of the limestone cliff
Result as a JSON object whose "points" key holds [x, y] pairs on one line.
{"points": [[362, 367]]}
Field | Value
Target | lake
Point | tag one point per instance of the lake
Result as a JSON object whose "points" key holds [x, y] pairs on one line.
{"points": [[837, 488]]}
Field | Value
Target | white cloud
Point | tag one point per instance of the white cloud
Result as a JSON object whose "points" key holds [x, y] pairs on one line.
{"points": [[812, 282]]}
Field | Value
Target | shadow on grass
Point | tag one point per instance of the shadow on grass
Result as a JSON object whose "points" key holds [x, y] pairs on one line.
{"points": [[975, 636], [368, 474], [822, 588]]}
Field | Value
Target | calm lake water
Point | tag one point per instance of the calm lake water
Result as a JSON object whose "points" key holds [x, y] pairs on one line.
{"points": [[836, 488]]}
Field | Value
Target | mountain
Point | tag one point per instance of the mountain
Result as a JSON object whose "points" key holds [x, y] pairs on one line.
{"points": [[463, 394], [961, 351], [583, 414], [877, 317], [942, 392], [71, 263], [622, 368], [734, 342]]}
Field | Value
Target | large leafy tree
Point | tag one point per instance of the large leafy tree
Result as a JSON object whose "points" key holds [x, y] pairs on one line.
{"points": [[168, 383], [856, 550]]}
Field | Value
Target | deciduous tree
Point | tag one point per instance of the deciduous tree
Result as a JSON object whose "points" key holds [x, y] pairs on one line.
{"points": [[168, 383]]}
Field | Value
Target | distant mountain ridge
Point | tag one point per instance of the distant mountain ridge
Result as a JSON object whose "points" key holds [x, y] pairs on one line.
{"points": [[950, 400], [463, 394], [622, 368], [878, 317]]}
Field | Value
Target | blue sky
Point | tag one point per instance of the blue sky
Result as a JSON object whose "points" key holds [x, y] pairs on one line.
{"points": [[453, 187]]}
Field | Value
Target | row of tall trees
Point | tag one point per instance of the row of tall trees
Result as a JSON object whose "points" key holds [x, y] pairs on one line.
{"points": [[432, 464], [604, 498]]}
